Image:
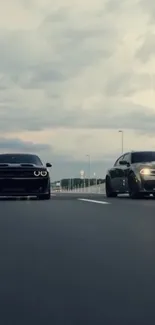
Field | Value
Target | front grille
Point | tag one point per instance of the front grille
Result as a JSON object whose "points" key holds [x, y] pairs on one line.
{"points": [[9, 172], [23, 186], [149, 185]]}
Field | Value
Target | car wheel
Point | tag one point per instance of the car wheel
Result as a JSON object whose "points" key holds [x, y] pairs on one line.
{"points": [[108, 189], [133, 187]]}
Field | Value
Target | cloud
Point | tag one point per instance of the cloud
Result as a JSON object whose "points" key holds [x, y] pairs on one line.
{"points": [[146, 50], [70, 47], [71, 75], [149, 8], [19, 145], [115, 5], [126, 84], [108, 114]]}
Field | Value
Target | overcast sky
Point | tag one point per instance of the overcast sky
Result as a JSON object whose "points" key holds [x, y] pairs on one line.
{"points": [[74, 72]]}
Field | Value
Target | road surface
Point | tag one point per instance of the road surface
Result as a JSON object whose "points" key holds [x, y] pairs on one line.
{"points": [[72, 262]]}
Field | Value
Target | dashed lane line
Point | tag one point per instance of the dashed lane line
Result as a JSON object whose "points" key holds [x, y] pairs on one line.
{"points": [[94, 201]]}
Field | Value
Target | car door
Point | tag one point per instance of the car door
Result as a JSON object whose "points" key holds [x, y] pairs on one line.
{"points": [[115, 174]]}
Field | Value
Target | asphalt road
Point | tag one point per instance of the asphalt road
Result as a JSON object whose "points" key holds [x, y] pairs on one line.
{"points": [[72, 262]]}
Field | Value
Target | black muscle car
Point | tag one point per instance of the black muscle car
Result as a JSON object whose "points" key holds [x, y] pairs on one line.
{"points": [[24, 175], [133, 173]]}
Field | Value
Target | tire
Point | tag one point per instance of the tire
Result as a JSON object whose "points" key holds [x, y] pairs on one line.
{"points": [[108, 189], [133, 188]]}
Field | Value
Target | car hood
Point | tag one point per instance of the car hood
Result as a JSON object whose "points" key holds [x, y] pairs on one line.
{"points": [[21, 166]]}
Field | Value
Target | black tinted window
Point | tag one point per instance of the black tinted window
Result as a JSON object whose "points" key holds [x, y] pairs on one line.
{"points": [[144, 156], [20, 159]]}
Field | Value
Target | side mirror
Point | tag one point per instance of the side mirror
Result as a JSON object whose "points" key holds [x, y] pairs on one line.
{"points": [[124, 163], [48, 165]]}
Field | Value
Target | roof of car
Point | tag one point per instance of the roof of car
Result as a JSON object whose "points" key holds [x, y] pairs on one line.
{"points": [[138, 151]]}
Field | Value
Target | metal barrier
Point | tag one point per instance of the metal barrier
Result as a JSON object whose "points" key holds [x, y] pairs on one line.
{"points": [[96, 189]]}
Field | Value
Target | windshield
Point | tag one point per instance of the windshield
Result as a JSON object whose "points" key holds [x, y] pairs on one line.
{"points": [[140, 157], [20, 159]]}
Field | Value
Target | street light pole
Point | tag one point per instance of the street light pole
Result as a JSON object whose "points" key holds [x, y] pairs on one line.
{"points": [[122, 139], [89, 161]]}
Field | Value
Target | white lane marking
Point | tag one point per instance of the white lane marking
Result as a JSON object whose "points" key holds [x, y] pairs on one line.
{"points": [[94, 201]]}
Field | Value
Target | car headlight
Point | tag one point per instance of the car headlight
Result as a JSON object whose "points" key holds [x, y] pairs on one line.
{"points": [[36, 173], [44, 173], [145, 171]]}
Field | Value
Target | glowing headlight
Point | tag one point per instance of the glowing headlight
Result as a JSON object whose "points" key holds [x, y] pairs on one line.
{"points": [[44, 173], [36, 173], [145, 171]]}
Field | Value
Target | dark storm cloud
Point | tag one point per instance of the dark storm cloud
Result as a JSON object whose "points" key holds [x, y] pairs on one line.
{"points": [[138, 118], [60, 50], [39, 76], [75, 47], [31, 120], [68, 48], [17, 144], [126, 84], [114, 114]]}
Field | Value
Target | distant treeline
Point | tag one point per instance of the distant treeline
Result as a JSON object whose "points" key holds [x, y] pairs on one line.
{"points": [[71, 183]]}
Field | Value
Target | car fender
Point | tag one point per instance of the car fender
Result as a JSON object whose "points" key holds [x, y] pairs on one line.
{"points": [[108, 175]]}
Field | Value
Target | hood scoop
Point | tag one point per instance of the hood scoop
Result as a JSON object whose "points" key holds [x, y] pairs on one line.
{"points": [[16, 165], [27, 165]]}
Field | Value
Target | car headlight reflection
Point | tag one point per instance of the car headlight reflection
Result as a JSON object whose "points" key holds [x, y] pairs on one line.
{"points": [[145, 171], [44, 173]]}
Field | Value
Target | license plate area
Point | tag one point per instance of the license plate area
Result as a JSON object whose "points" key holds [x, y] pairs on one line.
{"points": [[13, 189], [12, 185], [22, 186]]}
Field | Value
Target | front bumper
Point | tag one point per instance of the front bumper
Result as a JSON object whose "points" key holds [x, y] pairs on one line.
{"points": [[147, 184], [24, 186]]}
